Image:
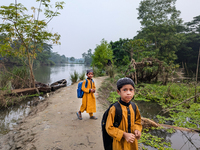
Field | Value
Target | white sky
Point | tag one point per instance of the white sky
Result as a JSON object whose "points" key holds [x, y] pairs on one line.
{"points": [[84, 23]]}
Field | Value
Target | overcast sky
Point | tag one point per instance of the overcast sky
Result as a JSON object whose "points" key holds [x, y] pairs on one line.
{"points": [[84, 23]]}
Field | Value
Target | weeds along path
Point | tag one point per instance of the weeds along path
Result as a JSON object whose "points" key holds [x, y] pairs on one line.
{"points": [[53, 125]]}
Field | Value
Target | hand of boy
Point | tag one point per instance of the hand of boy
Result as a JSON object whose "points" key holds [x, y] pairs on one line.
{"points": [[137, 134], [93, 90], [130, 138]]}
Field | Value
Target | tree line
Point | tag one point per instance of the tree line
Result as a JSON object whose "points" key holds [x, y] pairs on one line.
{"points": [[163, 36]]}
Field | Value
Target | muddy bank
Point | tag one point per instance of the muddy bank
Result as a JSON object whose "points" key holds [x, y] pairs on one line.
{"points": [[52, 124]]}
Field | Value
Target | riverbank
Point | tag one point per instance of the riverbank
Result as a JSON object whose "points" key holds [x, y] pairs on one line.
{"points": [[53, 124]]}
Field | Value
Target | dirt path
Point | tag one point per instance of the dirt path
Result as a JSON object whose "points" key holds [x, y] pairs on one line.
{"points": [[53, 125]]}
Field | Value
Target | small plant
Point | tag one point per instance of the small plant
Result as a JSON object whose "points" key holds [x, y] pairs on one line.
{"points": [[74, 77], [82, 76], [110, 70], [98, 72], [113, 97]]}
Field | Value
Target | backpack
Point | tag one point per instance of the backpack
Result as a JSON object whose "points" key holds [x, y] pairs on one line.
{"points": [[107, 139], [79, 90]]}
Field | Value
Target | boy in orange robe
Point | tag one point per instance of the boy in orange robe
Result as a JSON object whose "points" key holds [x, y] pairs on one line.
{"points": [[125, 136], [88, 100]]}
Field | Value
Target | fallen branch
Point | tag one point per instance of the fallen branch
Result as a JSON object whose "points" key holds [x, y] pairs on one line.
{"points": [[168, 109], [146, 123]]}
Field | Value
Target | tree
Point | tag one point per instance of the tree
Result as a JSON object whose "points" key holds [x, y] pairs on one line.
{"points": [[102, 54], [44, 54], [189, 49], [87, 57], [160, 24], [72, 59], [135, 47], [28, 30], [121, 56]]}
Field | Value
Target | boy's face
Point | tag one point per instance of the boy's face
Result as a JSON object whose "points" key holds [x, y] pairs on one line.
{"points": [[90, 75], [126, 92]]}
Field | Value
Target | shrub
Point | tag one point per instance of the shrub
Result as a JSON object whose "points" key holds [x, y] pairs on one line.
{"points": [[74, 77], [16, 78], [82, 76]]}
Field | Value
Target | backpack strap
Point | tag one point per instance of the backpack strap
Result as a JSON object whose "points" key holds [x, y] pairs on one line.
{"points": [[118, 114], [86, 83], [134, 108]]}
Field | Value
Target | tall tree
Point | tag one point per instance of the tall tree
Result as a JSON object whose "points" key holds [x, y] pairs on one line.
{"points": [[160, 24], [87, 57], [102, 54], [121, 56], [135, 48], [27, 29], [189, 48]]}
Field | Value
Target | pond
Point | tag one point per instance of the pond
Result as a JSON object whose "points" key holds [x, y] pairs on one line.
{"points": [[180, 140]]}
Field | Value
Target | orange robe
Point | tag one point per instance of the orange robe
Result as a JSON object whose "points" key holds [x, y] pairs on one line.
{"points": [[88, 100], [120, 143]]}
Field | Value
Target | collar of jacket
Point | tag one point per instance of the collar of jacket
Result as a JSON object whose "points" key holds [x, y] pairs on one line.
{"points": [[124, 103]]}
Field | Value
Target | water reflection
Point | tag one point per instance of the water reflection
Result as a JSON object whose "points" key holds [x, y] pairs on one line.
{"points": [[180, 140], [50, 74], [148, 109], [10, 116]]}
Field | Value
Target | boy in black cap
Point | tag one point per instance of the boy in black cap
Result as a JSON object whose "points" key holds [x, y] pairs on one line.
{"points": [[88, 100], [125, 136]]}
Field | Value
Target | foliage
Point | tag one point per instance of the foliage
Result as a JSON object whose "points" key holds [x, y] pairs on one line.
{"points": [[57, 58], [189, 49], [160, 24], [15, 78], [114, 97], [110, 70], [25, 32], [154, 141], [74, 77], [135, 48], [183, 115], [98, 72], [103, 53], [72, 59], [82, 76], [88, 57], [121, 56]]}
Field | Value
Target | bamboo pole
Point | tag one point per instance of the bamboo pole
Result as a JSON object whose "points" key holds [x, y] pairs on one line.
{"points": [[197, 66], [195, 99]]}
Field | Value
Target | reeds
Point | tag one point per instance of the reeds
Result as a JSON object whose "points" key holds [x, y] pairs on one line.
{"points": [[74, 77]]}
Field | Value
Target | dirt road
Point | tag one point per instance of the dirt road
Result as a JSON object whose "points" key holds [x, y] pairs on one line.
{"points": [[53, 125]]}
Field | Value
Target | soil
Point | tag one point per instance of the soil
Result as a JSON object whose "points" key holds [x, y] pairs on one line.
{"points": [[53, 124]]}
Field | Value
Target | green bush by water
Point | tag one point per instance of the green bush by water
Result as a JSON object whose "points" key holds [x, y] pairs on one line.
{"points": [[82, 76], [74, 77]]}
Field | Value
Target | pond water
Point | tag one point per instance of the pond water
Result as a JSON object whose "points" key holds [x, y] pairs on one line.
{"points": [[49, 74], [180, 140]]}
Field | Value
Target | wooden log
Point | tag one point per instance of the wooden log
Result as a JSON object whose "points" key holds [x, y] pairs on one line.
{"points": [[147, 123]]}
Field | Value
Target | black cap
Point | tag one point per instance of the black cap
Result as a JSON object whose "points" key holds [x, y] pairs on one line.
{"points": [[124, 81], [90, 70]]}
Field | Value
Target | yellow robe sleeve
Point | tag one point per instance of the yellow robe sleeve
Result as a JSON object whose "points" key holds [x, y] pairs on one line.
{"points": [[114, 132]]}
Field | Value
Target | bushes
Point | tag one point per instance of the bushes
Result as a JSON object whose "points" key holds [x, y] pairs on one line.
{"points": [[74, 77], [16, 78]]}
